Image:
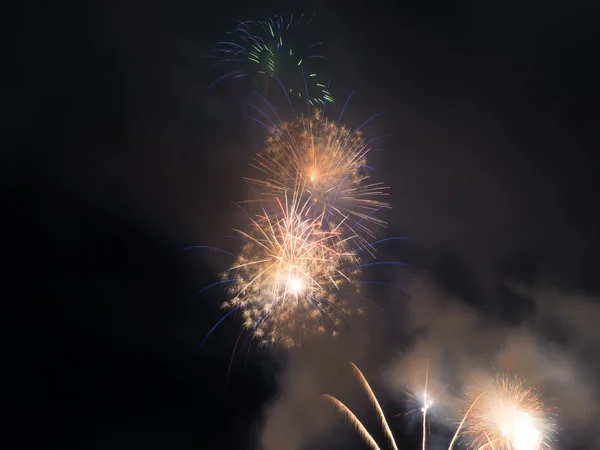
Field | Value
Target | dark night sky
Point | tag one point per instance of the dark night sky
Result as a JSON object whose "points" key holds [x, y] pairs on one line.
{"points": [[117, 157]]}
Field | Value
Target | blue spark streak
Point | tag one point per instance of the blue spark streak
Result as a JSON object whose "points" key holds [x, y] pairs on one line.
{"points": [[216, 283], [217, 324], [208, 247], [344, 108], [381, 283]]}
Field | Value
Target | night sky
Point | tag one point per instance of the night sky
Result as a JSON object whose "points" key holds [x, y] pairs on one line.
{"points": [[117, 156]]}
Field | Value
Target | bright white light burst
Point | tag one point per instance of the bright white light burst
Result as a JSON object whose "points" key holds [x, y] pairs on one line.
{"points": [[295, 285], [510, 416]]}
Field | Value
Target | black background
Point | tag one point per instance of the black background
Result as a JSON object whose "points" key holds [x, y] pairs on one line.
{"points": [[116, 157]]}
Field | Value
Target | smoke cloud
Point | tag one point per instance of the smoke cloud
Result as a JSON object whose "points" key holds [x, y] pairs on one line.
{"points": [[299, 414], [553, 349]]}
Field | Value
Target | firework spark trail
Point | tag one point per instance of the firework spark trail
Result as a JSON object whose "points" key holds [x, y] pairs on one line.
{"points": [[424, 403], [327, 163], [462, 422], [354, 421], [376, 404], [357, 423], [425, 408], [512, 418], [287, 276]]}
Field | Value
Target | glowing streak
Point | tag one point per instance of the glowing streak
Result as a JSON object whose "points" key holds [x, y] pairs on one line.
{"points": [[426, 405], [376, 404], [354, 421], [489, 442], [462, 422]]}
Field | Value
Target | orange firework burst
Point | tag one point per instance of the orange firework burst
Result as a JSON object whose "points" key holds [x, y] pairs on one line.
{"points": [[287, 277], [327, 164], [511, 416]]}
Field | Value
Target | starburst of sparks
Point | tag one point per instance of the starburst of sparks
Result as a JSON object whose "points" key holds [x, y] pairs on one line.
{"points": [[327, 164], [271, 48], [288, 277], [511, 417]]}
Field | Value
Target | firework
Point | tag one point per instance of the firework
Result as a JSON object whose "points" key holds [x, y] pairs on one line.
{"points": [[288, 277], [267, 51], [326, 163], [510, 417], [299, 265]]}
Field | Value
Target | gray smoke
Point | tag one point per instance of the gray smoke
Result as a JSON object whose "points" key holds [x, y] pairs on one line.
{"points": [[553, 349]]}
